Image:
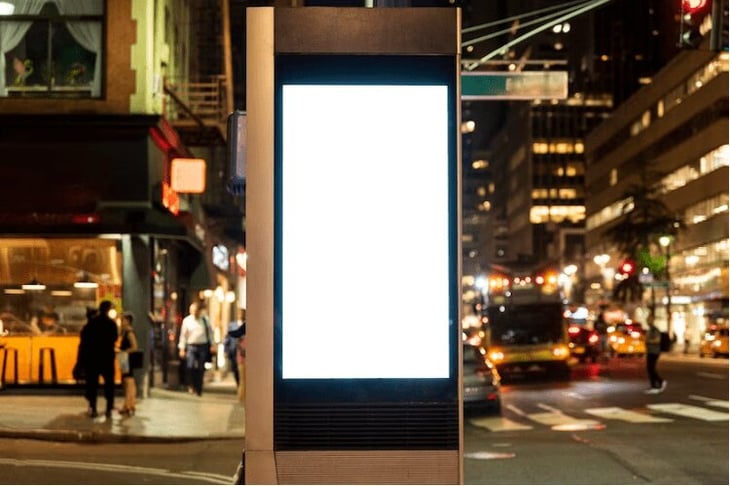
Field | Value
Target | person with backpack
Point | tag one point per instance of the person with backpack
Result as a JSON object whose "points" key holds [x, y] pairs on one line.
{"points": [[653, 351]]}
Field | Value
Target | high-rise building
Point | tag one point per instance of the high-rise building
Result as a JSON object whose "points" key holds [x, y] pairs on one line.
{"points": [[676, 128], [536, 153]]}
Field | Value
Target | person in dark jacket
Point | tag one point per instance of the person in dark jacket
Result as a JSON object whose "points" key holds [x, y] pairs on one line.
{"points": [[97, 354], [653, 350]]}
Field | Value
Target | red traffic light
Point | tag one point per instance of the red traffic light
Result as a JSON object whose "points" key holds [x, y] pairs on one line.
{"points": [[627, 267], [692, 6]]}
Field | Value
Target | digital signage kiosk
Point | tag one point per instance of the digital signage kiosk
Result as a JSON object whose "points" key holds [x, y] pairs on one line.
{"points": [[353, 241]]}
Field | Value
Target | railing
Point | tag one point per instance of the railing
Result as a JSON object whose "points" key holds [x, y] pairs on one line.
{"points": [[203, 103]]}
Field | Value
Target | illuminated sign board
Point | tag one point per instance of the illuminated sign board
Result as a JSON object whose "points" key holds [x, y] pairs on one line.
{"points": [[366, 225], [187, 175]]}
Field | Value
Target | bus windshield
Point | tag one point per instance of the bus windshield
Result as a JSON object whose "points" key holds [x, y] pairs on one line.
{"points": [[526, 324]]}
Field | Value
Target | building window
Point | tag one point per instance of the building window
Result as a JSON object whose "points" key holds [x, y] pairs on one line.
{"points": [[558, 147], [709, 162], [613, 178], [557, 214], [706, 209], [52, 48]]}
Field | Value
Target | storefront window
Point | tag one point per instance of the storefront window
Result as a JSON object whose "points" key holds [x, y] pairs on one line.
{"points": [[68, 276], [51, 48]]}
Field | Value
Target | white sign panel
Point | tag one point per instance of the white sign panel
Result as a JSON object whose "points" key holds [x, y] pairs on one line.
{"points": [[365, 231]]}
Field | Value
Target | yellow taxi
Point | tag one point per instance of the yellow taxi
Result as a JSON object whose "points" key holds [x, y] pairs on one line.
{"points": [[626, 339], [714, 342]]}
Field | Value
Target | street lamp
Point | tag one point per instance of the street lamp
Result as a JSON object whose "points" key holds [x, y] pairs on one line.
{"points": [[665, 241], [602, 260]]}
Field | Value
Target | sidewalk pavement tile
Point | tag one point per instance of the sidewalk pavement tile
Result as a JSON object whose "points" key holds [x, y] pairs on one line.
{"points": [[163, 416]]}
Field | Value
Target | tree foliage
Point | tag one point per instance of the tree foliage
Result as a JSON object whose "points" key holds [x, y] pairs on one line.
{"points": [[644, 218]]}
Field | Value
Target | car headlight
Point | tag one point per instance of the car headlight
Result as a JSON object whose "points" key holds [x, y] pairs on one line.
{"points": [[716, 344], [496, 356], [561, 351]]}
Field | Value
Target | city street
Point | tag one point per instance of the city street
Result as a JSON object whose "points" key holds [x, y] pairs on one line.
{"points": [[601, 428]]}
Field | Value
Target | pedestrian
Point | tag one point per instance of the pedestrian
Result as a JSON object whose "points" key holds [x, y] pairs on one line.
{"points": [[96, 352], [127, 345], [653, 350], [687, 340], [240, 335], [601, 328], [195, 346], [230, 344]]}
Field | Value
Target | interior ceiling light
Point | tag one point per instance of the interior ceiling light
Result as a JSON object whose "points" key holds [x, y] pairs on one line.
{"points": [[85, 283], [33, 285]]}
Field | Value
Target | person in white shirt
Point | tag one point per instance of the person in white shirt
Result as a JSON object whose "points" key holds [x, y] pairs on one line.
{"points": [[196, 346]]}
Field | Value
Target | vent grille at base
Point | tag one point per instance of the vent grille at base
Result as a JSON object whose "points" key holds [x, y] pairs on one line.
{"points": [[328, 426]]}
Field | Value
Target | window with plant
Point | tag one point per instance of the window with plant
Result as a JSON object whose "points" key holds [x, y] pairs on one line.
{"points": [[51, 48]]}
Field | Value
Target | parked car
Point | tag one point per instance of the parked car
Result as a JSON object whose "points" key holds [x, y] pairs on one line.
{"points": [[584, 343], [481, 381], [626, 339], [715, 343]]}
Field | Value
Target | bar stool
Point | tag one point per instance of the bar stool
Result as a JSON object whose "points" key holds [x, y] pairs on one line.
{"points": [[41, 364], [5, 364]]}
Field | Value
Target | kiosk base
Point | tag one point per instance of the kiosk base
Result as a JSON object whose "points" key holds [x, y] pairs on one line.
{"points": [[367, 467]]}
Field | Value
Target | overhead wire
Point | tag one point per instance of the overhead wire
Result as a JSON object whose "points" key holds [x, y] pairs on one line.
{"points": [[546, 18], [585, 7], [474, 28]]}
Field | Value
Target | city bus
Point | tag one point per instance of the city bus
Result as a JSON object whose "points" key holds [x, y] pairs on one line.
{"points": [[524, 326]]}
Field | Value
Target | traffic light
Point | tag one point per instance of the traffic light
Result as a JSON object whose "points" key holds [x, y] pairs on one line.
{"points": [[628, 267], [692, 23]]}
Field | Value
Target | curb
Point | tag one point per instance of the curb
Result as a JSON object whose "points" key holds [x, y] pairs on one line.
{"points": [[107, 438]]}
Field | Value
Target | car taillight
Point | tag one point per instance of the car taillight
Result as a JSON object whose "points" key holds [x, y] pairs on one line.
{"points": [[593, 339], [573, 330], [635, 334]]}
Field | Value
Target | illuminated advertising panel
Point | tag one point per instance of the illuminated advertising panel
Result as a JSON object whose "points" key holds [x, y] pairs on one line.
{"points": [[366, 246]]}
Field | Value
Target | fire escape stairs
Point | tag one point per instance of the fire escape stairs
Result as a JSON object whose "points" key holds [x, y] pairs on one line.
{"points": [[197, 106]]}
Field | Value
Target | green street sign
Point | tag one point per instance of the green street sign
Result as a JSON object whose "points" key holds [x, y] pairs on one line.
{"points": [[528, 85]]}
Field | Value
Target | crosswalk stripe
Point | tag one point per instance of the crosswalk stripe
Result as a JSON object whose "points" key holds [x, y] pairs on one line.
{"points": [[558, 418], [555, 418], [689, 411], [499, 424], [711, 401], [617, 413]]}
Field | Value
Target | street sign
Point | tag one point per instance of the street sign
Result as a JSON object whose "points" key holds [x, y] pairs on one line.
{"points": [[528, 85], [646, 278]]}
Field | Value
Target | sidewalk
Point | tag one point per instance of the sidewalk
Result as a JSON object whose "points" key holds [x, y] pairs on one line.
{"points": [[164, 416]]}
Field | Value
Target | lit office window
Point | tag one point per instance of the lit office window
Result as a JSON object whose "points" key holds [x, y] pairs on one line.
{"points": [[709, 162], [704, 210]]}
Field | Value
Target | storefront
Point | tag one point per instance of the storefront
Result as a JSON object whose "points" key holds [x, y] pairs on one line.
{"points": [[86, 213]]}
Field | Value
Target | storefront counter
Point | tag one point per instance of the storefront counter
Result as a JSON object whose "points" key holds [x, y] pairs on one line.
{"points": [[43, 360]]}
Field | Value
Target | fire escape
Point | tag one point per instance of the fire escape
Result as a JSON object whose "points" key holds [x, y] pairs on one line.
{"points": [[198, 109]]}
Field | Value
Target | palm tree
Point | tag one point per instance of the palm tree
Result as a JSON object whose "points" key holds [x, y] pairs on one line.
{"points": [[644, 217]]}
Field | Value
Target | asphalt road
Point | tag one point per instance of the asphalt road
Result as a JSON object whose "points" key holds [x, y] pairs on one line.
{"points": [[42, 462], [601, 428]]}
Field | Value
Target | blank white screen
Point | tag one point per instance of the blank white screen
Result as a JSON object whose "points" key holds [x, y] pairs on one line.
{"points": [[365, 231]]}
